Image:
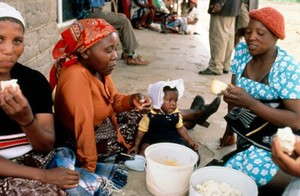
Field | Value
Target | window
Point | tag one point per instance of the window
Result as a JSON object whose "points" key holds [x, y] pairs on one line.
{"points": [[65, 15]]}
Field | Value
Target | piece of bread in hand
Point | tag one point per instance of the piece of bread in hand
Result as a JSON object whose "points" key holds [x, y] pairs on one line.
{"points": [[287, 140], [217, 86], [6, 83]]}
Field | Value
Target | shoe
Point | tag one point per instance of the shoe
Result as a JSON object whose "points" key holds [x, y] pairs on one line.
{"points": [[139, 27], [136, 61], [138, 164], [208, 72], [208, 110], [124, 56], [197, 103]]}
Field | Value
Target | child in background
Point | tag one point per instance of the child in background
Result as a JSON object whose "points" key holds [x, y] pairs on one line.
{"points": [[163, 123], [185, 24]]}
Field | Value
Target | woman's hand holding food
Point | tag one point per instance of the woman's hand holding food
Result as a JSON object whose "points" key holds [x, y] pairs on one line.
{"points": [[141, 102], [237, 96], [15, 105]]}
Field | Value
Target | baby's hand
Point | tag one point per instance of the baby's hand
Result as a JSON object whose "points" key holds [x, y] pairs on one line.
{"points": [[132, 149], [194, 145]]}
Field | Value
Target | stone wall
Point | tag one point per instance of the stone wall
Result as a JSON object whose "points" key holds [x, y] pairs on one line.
{"points": [[41, 32]]}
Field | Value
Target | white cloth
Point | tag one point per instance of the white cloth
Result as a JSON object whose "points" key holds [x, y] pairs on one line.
{"points": [[157, 94], [9, 11], [293, 188]]}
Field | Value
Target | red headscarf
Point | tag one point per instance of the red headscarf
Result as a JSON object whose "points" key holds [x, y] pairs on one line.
{"points": [[79, 37]]}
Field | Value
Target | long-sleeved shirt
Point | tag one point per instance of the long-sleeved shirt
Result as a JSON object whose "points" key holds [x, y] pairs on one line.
{"points": [[81, 103]]}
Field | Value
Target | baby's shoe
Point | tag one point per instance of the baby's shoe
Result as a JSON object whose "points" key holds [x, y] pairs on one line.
{"points": [[138, 164]]}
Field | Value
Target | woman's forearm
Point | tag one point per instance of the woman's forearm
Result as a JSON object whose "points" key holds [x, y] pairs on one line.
{"points": [[41, 133], [11, 169]]}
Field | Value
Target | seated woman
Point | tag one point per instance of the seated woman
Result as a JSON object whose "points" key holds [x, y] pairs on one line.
{"points": [[265, 86], [185, 24], [26, 120], [143, 13], [93, 118]]}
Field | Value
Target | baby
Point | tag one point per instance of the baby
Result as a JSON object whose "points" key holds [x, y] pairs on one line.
{"points": [[163, 123]]}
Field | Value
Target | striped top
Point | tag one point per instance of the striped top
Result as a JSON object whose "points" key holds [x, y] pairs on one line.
{"points": [[14, 145]]}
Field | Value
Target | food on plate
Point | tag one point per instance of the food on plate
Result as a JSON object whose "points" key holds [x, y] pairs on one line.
{"points": [[217, 86], [214, 188], [7, 83], [287, 139]]}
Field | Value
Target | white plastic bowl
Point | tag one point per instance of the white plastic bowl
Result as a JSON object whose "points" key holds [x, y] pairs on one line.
{"points": [[234, 178]]}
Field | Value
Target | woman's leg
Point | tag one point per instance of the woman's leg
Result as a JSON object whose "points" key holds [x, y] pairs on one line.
{"points": [[277, 185], [143, 19]]}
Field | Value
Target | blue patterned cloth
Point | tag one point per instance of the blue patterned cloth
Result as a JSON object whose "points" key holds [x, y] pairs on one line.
{"points": [[284, 77], [284, 83], [256, 163], [108, 178]]}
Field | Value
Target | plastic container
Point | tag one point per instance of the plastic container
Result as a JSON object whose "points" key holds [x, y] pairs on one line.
{"points": [[234, 178], [168, 169]]}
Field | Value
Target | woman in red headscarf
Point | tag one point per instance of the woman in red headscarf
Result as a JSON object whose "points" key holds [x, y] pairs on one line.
{"points": [[86, 100]]}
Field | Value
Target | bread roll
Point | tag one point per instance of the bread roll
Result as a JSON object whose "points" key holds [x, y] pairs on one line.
{"points": [[287, 140], [217, 86], [7, 83]]}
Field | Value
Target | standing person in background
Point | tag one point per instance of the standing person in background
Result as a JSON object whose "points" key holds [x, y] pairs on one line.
{"points": [[26, 120], [85, 9], [221, 34], [243, 19]]}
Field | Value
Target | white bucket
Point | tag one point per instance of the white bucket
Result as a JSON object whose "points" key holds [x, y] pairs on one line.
{"points": [[234, 178], [169, 168]]}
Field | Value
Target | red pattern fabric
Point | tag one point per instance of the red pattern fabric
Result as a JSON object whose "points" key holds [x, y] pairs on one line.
{"points": [[79, 37]]}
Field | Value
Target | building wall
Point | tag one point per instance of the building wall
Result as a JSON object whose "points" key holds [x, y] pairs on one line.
{"points": [[41, 32]]}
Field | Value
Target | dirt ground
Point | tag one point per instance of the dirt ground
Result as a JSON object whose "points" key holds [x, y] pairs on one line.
{"points": [[176, 56]]}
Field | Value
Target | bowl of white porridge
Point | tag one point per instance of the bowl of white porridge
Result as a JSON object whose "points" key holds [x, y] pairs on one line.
{"points": [[221, 181]]}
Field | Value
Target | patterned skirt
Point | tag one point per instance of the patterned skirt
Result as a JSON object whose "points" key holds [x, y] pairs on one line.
{"points": [[106, 136], [19, 186]]}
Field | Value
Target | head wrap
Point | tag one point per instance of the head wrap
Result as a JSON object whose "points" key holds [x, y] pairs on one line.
{"points": [[157, 94], [79, 37], [271, 18], [9, 11]]}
